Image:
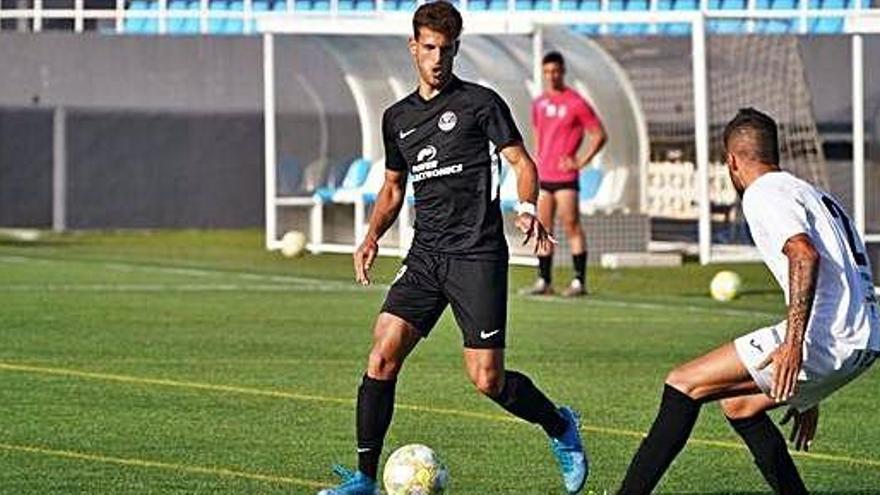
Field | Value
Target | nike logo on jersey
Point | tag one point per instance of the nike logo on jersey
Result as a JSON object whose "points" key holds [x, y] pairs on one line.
{"points": [[485, 335], [403, 135]]}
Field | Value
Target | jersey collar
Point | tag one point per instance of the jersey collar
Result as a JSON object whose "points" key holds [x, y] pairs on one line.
{"points": [[454, 82]]}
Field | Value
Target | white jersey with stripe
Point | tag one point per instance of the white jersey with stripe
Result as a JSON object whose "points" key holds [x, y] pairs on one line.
{"points": [[845, 315]]}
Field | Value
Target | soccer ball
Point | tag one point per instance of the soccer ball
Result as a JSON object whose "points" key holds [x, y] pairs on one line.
{"points": [[725, 286], [414, 470], [293, 244]]}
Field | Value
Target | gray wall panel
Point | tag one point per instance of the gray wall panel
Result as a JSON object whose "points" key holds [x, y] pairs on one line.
{"points": [[130, 72], [25, 168], [160, 170]]}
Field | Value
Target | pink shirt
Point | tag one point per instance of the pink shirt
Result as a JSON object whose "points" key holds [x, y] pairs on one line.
{"points": [[560, 121]]}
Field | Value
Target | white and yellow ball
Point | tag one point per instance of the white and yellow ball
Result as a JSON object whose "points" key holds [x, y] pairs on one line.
{"points": [[725, 286], [414, 470], [293, 244]]}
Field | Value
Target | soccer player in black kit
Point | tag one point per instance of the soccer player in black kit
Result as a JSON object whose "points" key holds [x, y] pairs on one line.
{"points": [[446, 136]]}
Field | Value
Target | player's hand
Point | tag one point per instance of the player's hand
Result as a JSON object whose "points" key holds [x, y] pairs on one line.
{"points": [[787, 360], [533, 228], [803, 430], [569, 163], [363, 259]]}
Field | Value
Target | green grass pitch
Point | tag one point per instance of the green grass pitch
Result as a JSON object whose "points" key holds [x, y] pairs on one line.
{"points": [[196, 362]]}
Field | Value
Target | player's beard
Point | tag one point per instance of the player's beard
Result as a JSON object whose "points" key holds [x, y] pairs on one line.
{"points": [[440, 78], [437, 77]]}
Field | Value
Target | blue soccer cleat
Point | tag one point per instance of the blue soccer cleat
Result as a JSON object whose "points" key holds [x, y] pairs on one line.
{"points": [[353, 483], [569, 452]]}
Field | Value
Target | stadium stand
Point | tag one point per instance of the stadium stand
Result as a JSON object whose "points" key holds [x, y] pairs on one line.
{"points": [[184, 17]]}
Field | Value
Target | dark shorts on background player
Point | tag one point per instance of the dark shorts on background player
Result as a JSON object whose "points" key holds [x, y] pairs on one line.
{"points": [[552, 187], [476, 290]]}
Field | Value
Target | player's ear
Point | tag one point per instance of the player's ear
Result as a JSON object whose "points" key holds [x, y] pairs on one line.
{"points": [[412, 44], [731, 162]]}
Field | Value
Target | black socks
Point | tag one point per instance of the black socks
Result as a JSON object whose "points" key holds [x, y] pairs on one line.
{"points": [[579, 261], [545, 268], [771, 455], [669, 433], [522, 398], [375, 405]]}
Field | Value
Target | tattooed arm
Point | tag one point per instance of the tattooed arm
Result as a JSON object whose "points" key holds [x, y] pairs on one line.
{"points": [[803, 272]]}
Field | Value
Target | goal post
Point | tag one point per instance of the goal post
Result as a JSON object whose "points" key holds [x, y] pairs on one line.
{"points": [[707, 99]]}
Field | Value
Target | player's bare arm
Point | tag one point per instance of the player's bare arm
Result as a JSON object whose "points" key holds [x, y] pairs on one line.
{"points": [[596, 139], [527, 189], [803, 272], [385, 212]]}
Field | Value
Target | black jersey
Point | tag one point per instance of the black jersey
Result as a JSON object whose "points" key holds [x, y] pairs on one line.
{"points": [[448, 145]]}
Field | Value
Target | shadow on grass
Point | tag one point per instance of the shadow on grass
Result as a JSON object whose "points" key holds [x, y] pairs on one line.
{"points": [[760, 292], [826, 492]]}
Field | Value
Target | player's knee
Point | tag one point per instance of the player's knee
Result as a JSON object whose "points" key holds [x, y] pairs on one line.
{"points": [[488, 382], [682, 381], [382, 367], [739, 408], [572, 227]]}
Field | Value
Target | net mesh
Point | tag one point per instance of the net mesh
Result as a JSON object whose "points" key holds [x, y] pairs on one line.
{"points": [[872, 135], [765, 72]]}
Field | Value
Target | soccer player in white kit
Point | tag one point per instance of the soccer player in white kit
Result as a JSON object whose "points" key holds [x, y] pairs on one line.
{"points": [[831, 335]]}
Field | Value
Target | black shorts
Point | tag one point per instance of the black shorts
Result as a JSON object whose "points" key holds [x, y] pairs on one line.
{"points": [[552, 187], [476, 290]]}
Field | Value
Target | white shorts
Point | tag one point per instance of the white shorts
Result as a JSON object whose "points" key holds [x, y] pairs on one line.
{"points": [[816, 381]]}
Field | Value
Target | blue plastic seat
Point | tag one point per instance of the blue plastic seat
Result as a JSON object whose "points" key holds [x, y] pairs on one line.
{"points": [[587, 6], [354, 178], [524, 5], [827, 25], [151, 25], [299, 5], [365, 6], [176, 24], [257, 7], [727, 26], [478, 5], [785, 4], [217, 24], [686, 5], [134, 24], [589, 180], [638, 6], [345, 5], [568, 5], [775, 26], [321, 5], [586, 28], [498, 5], [232, 25]]}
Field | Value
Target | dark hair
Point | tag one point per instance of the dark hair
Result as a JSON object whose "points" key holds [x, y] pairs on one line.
{"points": [[440, 16], [553, 57], [759, 129]]}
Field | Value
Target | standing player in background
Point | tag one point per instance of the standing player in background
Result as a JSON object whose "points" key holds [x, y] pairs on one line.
{"points": [[440, 135], [831, 336], [561, 118]]}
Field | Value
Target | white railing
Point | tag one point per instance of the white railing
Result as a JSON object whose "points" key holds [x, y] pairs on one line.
{"points": [[382, 21]]}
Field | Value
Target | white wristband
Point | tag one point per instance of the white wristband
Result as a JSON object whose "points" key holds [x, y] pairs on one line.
{"points": [[524, 207]]}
